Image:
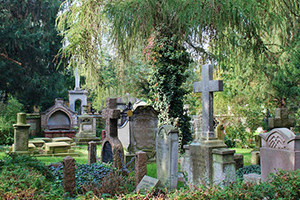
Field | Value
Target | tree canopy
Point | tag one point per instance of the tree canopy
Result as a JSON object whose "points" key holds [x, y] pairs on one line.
{"points": [[29, 44]]}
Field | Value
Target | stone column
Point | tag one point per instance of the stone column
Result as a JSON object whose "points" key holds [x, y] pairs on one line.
{"points": [[140, 166], [69, 175], [92, 152], [21, 133]]}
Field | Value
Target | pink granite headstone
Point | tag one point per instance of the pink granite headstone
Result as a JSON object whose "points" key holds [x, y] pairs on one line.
{"points": [[280, 150]]}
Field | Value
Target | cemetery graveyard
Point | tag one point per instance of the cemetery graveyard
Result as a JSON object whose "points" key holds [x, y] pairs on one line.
{"points": [[149, 100]]}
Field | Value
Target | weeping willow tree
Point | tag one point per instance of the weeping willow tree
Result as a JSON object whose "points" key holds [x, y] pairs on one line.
{"points": [[254, 43]]}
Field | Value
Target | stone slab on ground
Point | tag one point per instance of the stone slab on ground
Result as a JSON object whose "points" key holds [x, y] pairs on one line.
{"points": [[147, 183]]}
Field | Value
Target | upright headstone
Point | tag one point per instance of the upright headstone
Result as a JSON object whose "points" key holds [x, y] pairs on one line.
{"points": [[92, 152], [280, 150], [87, 129], [281, 119], [112, 149], [21, 133], [201, 149], [140, 166], [69, 175], [167, 156]]}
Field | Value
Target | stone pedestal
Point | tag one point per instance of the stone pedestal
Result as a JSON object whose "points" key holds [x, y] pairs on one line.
{"points": [[21, 133], [223, 166], [87, 129], [201, 159]]}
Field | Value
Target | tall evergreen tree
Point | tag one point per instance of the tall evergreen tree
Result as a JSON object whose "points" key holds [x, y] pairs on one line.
{"points": [[29, 43]]}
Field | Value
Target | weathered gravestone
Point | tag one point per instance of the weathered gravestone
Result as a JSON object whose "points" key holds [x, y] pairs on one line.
{"points": [[87, 129], [280, 150], [21, 133], [138, 132], [201, 155], [147, 183], [112, 149], [69, 175], [92, 152], [140, 166], [167, 156]]}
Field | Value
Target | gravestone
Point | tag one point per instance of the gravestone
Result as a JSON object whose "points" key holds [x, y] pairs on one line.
{"points": [[239, 161], [21, 133], [140, 166], [185, 166], [167, 156], [92, 152], [147, 183], [69, 175], [281, 119], [201, 156], [87, 129], [138, 132], [112, 149], [280, 150]]}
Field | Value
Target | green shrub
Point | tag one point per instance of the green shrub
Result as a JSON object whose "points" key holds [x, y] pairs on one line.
{"points": [[24, 177], [8, 117]]}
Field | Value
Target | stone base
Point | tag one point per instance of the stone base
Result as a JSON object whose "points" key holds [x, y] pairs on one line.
{"points": [[201, 159], [59, 133]]}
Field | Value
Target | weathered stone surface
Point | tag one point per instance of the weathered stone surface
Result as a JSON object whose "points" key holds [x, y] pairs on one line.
{"points": [[280, 150], [58, 121], [147, 183], [220, 132], [167, 156], [201, 157], [207, 86], [223, 166], [92, 152], [140, 166], [112, 149], [21, 133], [69, 175], [281, 119], [185, 166]]}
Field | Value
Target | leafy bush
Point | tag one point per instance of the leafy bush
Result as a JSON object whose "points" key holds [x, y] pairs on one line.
{"points": [[229, 142], [248, 170]]}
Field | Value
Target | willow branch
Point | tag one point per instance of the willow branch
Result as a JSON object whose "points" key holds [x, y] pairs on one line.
{"points": [[10, 59]]}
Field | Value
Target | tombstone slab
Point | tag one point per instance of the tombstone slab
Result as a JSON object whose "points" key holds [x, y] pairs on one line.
{"points": [[147, 183], [280, 150], [167, 156]]}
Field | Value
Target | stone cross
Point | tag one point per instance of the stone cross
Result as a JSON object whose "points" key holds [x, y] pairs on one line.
{"points": [[111, 115], [281, 119], [207, 86], [77, 79]]}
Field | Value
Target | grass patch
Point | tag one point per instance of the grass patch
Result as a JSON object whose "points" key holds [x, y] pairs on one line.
{"points": [[246, 153]]}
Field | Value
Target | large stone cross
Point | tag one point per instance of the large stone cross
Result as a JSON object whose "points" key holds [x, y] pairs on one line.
{"points": [[207, 86], [111, 116]]}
